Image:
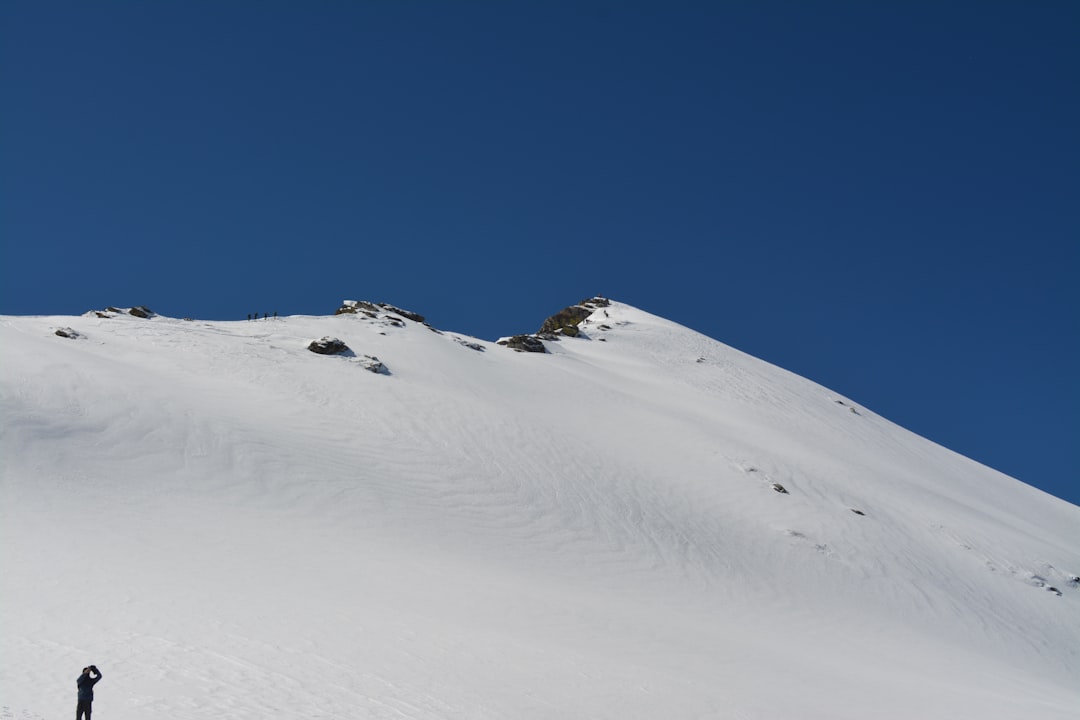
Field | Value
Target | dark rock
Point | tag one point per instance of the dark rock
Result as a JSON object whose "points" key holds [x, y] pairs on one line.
{"points": [[857, 512], [569, 317], [415, 317], [780, 488], [1054, 590], [372, 363], [66, 332], [141, 311], [352, 307], [372, 310], [471, 345], [564, 323], [524, 343], [328, 346]]}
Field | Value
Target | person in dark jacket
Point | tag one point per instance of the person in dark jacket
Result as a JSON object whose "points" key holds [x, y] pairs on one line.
{"points": [[85, 682]]}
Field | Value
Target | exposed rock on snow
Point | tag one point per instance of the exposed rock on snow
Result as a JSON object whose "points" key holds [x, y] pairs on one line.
{"points": [[524, 343], [408, 314], [328, 346], [471, 345], [363, 307], [66, 332], [372, 363], [373, 310], [139, 311], [568, 317], [566, 321]]}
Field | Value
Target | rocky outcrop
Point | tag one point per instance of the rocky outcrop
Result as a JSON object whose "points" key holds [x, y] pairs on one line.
{"points": [[373, 310], [66, 332], [372, 363], [566, 321], [471, 345], [139, 311], [328, 346], [524, 343], [407, 314], [563, 323]]}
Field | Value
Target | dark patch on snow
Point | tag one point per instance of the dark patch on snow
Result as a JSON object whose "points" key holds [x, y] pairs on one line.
{"points": [[372, 310], [566, 320], [328, 346], [524, 343], [471, 345], [372, 363]]}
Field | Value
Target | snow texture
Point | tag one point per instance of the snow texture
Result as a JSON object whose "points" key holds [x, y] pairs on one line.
{"points": [[231, 526]]}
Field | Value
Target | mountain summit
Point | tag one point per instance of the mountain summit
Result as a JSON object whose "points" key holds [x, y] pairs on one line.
{"points": [[636, 522]]}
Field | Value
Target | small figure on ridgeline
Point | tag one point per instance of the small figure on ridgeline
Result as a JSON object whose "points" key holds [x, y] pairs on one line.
{"points": [[249, 317], [85, 682]]}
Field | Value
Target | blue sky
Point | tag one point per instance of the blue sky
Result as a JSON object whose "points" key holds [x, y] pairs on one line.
{"points": [[882, 197]]}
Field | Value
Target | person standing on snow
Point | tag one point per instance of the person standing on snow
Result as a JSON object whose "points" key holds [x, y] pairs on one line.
{"points": [[86, 684]]}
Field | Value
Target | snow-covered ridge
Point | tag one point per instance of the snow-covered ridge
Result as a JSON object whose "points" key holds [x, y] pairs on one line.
{"points": [[228, 524]]}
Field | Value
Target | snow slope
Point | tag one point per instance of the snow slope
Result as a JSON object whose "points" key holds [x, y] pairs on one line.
{"points": [[231, 526]]}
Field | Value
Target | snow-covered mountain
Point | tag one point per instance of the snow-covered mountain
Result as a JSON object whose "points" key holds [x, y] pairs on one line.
{"points": [[433, 526]]}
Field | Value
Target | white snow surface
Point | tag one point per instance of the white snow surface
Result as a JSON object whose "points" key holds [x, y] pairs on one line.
{"points": [[231, 526]]}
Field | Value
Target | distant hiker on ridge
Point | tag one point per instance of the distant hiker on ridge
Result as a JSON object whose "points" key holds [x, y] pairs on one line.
{"points": [[86, 684]]}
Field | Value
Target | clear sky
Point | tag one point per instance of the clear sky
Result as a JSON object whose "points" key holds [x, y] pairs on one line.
{"points": [[882, 197]]}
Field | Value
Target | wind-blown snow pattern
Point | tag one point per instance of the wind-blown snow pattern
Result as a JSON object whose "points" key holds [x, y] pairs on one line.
{"points": [[231, 526]]}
